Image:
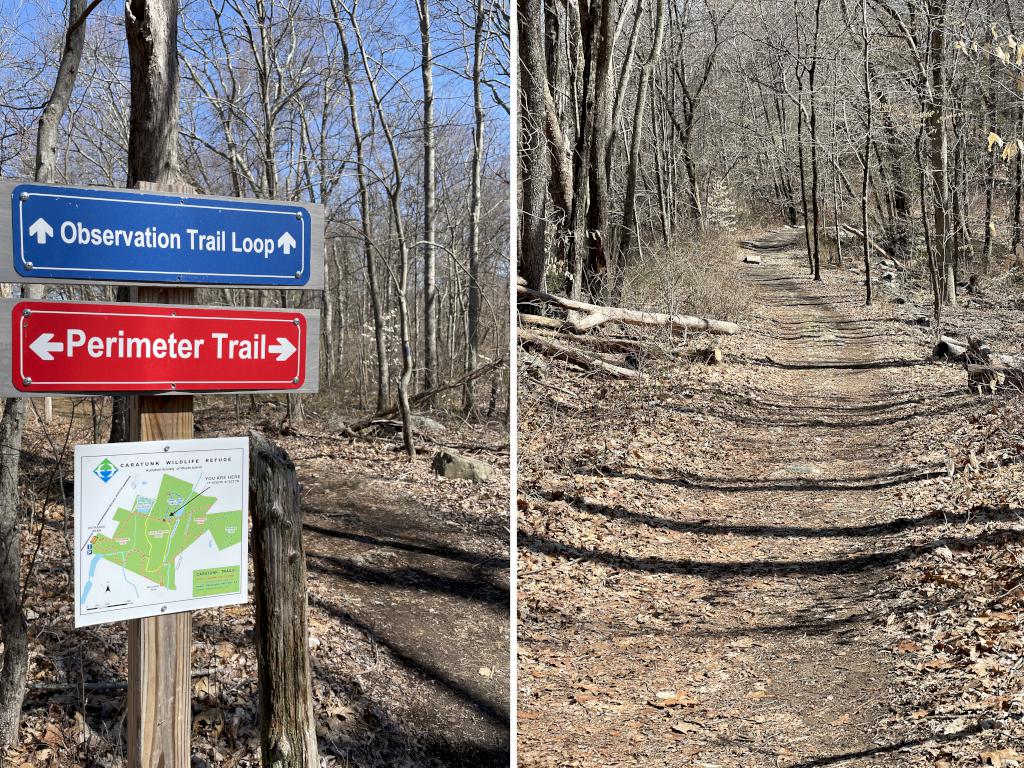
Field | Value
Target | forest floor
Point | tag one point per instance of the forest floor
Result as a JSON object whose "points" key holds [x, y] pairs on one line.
{"points": [[409, 608], [809, 555]]}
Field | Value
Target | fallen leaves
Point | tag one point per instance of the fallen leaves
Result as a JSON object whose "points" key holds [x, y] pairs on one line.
{"points": [[685, 726], [665, 699], [1001, 757], [657, 563]]}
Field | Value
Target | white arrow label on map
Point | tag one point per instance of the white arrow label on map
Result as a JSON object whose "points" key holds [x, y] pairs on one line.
{"points": [[40, 230], [43, 346], [283, 349], [287, 242]]}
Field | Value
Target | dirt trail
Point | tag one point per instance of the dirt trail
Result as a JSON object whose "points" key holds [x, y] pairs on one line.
{"points": [[736, 534]]}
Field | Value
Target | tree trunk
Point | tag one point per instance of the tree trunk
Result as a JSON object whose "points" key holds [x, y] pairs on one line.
{"points": [[933, 268], [286, 722], [939, 151], [990, 182], [534, 168], [867, 153], [13, 627], [152, 30], [813, 125], [365, 220], [598, 40], [394, 193], [429, 187], [803, 173], [12, 617], [473, 299], [629, 221]]}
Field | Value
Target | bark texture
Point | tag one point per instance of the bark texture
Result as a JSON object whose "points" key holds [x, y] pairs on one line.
{"points": [[584, 316], [287, 726], [534, 166], [12, 618], [152, 30], [13, 627]]}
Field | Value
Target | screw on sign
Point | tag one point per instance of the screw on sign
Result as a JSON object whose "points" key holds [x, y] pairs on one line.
{"points": [[91, 347]]}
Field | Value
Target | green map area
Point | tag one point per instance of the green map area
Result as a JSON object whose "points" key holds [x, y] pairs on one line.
{"points": [[155, 531]]}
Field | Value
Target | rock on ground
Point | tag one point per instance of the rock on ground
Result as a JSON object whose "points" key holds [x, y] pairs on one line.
{"points": [[455, 466]]}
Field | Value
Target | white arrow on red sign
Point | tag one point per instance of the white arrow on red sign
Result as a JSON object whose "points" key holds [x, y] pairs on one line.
{"points": [[283, 349], [44, 347], [92, 347]]}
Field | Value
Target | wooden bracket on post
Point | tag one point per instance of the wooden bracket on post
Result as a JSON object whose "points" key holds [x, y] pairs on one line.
{"points": [[160, 647]]}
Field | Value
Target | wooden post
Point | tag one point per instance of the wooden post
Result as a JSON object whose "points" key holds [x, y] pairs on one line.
{"points": [[160, 647], [287, 727]]}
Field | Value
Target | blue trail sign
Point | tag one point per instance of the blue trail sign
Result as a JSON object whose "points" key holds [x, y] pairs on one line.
{"points": [[99, 235]]}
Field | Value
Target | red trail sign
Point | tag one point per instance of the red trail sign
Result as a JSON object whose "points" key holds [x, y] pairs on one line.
{"points": [[90, 347]]}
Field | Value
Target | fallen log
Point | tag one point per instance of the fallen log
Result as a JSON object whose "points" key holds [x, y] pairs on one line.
{"points": [[562, 351], [542, 321], [872, 245], [973, 351], [949, 348], [619, 345], [979, 350], [423, 396], [584, 316]]}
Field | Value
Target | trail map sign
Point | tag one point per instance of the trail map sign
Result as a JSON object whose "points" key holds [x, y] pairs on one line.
{"points": [[68, 234], [94, 347], [160, 527]]}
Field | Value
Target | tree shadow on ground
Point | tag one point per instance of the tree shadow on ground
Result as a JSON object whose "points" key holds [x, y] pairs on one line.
{"points": [[477, 589], [392, 742], [735, 485], [837, 365], [935, 411], [939, 738], [708, 528], [959, 395], [432, 549], [710, 570], [495, 713], [843, 336]]}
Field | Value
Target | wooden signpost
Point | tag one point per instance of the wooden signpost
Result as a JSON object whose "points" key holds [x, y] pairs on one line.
{"points": [[160, 647], [157, 354]]}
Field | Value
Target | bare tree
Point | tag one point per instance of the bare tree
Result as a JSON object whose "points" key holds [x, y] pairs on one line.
{"points": [[12, 616], [429, 194]]}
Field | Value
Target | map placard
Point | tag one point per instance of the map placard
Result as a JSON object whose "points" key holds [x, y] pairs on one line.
{"points": [[160, 527]]}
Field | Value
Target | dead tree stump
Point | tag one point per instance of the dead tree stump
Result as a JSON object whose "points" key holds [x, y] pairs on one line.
{"points": [[287, 727]]}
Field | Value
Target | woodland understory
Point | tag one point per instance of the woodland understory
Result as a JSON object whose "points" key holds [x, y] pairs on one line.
{"points": [[408, 594]]}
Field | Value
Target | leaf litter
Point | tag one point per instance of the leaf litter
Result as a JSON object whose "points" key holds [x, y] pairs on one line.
{"points": [[809, 555]]}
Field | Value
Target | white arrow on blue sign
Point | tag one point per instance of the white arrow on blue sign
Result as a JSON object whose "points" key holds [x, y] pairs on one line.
{"points": [[100, 235]]}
